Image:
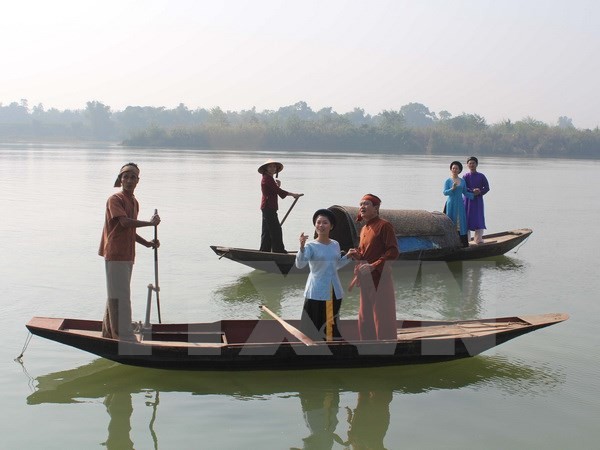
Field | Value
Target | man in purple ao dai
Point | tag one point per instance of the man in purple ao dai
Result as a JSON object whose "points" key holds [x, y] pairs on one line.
{"points": [[478, 184]]}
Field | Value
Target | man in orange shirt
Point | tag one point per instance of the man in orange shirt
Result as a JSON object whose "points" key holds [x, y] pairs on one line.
{"points": [[373, 272], [117, 246]]}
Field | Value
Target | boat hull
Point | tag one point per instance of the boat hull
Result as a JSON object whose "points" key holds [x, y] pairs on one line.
{"points": [[264, 344], [496, 244]]}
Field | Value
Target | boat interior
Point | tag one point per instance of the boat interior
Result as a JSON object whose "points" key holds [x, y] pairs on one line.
{"points": [[240, 332]]}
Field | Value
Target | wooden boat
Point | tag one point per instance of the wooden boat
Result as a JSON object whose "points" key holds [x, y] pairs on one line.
{"points": [[279, 344], [422, 235]]}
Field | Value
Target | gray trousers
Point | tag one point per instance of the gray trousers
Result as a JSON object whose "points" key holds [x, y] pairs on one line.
{"points": [[117, 317]]}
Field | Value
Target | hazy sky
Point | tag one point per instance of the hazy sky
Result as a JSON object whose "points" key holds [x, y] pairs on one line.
{"points": [[502, 59]]}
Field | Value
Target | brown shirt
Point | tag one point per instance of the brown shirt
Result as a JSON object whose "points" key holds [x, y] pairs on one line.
{"points": [[270, 191], [118, 242], [378, 244]]}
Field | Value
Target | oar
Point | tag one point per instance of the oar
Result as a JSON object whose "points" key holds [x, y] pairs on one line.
{"points": [[290, 328], [289, 211], [157, 289]]}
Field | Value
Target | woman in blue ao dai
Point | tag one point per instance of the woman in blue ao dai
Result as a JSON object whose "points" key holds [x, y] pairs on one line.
{"points": [[323, 293], [455, 188]]}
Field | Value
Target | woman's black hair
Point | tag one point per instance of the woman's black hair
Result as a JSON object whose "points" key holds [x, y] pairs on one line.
{"points": [[325, 212], [457, 163]]}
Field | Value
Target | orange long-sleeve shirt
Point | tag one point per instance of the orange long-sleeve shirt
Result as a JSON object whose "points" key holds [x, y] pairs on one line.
{"points": [[117, 242], [378, 244]]}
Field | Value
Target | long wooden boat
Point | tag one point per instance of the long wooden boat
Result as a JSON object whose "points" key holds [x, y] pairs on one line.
{"points": [[279, 344], [421, 235], [496, 244]]}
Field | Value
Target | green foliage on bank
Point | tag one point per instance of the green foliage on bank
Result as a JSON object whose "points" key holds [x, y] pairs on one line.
{"points": [[524, 138], [413, 129]]}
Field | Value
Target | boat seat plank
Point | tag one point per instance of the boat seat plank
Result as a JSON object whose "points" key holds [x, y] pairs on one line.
{"points": [[457, 331], [162, 343], [487, 242], [171, 344], [190, 333], [91, 333]]}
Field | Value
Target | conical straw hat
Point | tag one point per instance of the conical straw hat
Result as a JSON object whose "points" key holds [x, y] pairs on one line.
{"points": [[262, 168]]}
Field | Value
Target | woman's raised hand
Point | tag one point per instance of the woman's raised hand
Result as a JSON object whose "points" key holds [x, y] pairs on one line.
{"points": [[303, 239]]}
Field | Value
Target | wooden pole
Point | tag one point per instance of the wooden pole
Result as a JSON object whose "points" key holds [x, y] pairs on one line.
{"points": [[289, 211], [156, 288], [289, 328]]}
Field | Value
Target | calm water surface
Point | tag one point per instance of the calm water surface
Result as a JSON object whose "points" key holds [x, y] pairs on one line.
{"points": [[538, 391]]}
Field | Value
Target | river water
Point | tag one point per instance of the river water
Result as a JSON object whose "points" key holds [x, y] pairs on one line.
{"points": [[537, 391]]}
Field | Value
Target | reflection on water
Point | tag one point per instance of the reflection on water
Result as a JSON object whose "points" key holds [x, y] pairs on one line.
{"points": [[424, 289], [262, 288], [318, 391], [453, 291], [119, 408], [320, 409], [367, 423]]}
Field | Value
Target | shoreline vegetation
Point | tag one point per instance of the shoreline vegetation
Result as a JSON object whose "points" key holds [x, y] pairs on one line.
{"points": [[413, 129]]}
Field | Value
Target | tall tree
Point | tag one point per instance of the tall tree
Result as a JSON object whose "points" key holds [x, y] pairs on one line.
{"points": [[467, 122], [417, 115], [390, 120], [565, 122], [99, 117], [444, 115]]}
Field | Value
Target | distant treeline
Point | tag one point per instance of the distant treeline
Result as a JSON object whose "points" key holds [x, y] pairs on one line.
{"points": [[413, 129]]}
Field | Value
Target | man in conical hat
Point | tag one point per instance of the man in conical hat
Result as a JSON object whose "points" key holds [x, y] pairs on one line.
{"points": [[271, 238]]}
